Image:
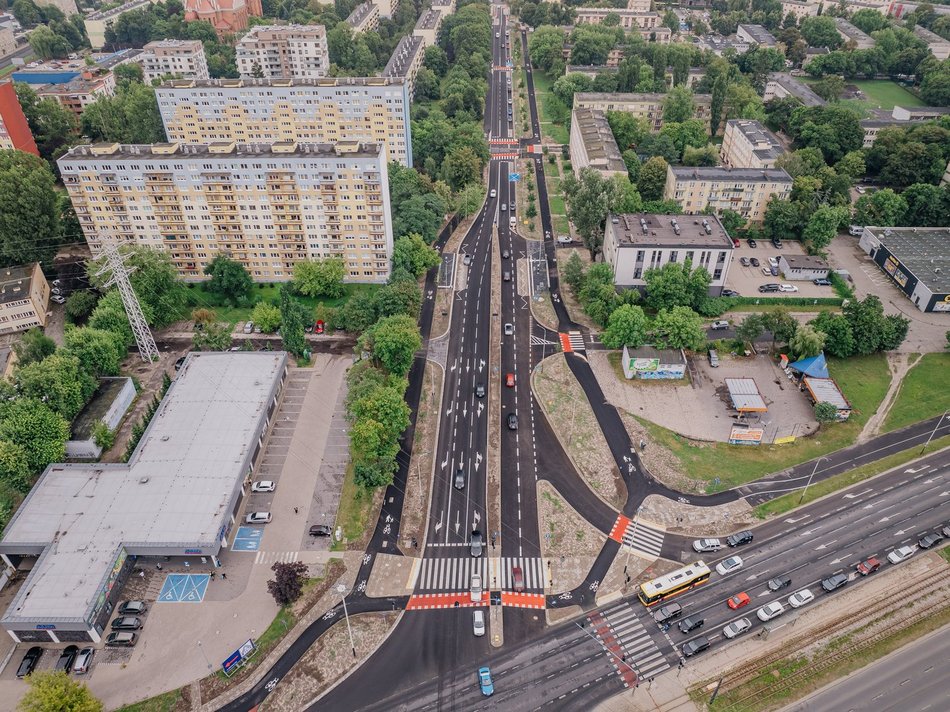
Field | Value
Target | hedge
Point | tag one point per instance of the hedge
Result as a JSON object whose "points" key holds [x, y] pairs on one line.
{"points": [[795, 301]]}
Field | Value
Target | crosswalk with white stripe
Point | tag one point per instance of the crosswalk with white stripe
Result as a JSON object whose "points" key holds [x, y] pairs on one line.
{"points": [[643, 539], [642, 652], [577, 340], [272, 557], [455, 573]]}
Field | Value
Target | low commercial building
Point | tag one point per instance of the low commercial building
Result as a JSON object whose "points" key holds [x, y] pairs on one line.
{"points": [[284, 51], [756, 35], [782, 84], [939, 46], [24, 298], [592, 144], [97, 22], [746, 143], [427, 27], [825, 390], [651, 364], [852, 35], [800, 9], [744, 190], [269, 206], [916, 259], [644, 106], [718, 45], [637, 242], [802, 268], [183, 59], [179, 495], [919, 113], [406, 61], [15, 132], [364, 18], [82, 91]]}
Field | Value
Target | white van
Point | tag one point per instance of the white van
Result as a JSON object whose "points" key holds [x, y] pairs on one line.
{"points": [[855, 230]]}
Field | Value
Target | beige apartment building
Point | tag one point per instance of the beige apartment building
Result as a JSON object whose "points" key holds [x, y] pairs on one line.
{"points": [[748, 144], [364, 18], [24, 298], [592, 144], [269, 206], [406, 61], [937, 44], [644, 106], [284, 51], [80, 92], [366, 109], [386, 7], [799, 8], [647, 24], [745, 190], [184, 59], [851, 34], [427, 27]]}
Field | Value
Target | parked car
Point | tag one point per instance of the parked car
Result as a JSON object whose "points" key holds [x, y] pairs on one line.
{"points": [[477, 543], [754, 261], [752, 243], [478, 623], [834, 582], [737, 627], [121, 639], [718, 325], [512, 421], [484, 680], [704, 545], [126, 623], [668, 613], [66, 658], [738, 601], [691, 623], [258, 518], [248, 327], [901, 554], [869, 566], [777, 243], [58, 298], [821, 282], [765, 288], [928, 541], [28, 664], [564, 239], [476, 590], [773, 262], [179, 363], [132, 608], [744, 261], [800, 598], [83, 661], [263, 486], [728, 566], [739, 538], [713, 358], [787, 288], [321, 530], [779, 582], [730, 293], [856, 230], [770, 611], [696, 645]]}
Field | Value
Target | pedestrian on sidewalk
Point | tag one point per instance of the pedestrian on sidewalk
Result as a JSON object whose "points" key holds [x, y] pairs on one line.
{"points": [[296, 511], [223, 575], [212, 575]]}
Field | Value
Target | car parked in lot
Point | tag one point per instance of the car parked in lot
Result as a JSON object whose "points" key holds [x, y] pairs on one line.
{"points": [[821, 282], [766, 288], [777, 243], [257, 518], [477, 543], [834, 582], [58, 298], [787, 288], [773, 262], [925, 542], [754, 261], [744, 261], [779, 582], [484, 681], [126, 623], [737, 627], [752, 243], [65, 662], [83, 661], [800, 598], [868, 566], [691, 623], [901, 554], [668, 613], [694, 646], [739, 538], [729, 293], [738, 601], [121, 639], [132, 608], [728, 566], [263, 486], [28, 664], [704, 545], [770, 611], [321, 530]]}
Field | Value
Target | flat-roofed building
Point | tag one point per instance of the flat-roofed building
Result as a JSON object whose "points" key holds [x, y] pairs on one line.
{"points": [[851, 34], [387, 7], [406, 61], [803, 268], [799, 8], [24, 298], [629, 19], [756, 35], [97, 22], [367, 109], [15, 132], [916, 259], [718, 45], [748, 144], [179, 495], [284, 51], [939, 46], [592, 144], [812, 53], [78, 93], [744, 190], [184, 59], [590, 70], [427, 27], [8, 43], [365, 17], [782, 84], [919, 113], [446, 6], [872, 127], [269, 206], [639, 5], [68, 7], [645, 106], [637, 242]]}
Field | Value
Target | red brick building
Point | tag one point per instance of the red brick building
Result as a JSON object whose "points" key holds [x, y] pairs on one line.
{"points": [[14, 131], [226, 16]]}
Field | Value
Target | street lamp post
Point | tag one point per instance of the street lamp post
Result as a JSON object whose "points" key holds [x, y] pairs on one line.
{"points": [[204, 654], [934, 431], [341, 589], [808, 484]]}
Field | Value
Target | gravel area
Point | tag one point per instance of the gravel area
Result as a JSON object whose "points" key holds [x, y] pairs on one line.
{"points": [[570, 415], [679, 518]]}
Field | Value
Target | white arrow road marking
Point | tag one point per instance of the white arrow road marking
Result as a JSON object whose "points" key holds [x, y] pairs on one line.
{"points": [[458, 522], [859, 494], [439, 523], [793, 521], [825, 545]]}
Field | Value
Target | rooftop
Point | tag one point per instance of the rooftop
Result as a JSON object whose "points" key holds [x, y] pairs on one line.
{"points": [[805, 262], [928, 36], [193, 45], [184, 151], [590, 69], [598, 139], [621, 97], [429, 19], [640, 229], [757, 175], [923, 111], [106, 14], [796, 88], [759, 34], [665, 356], [718, 43], [850, 31], [745, 395], [176, 492], [825, 390], [248, 82], [360, 13], [403, 56], [15, 283], [764, 142], [291, 31], [925, 251]]}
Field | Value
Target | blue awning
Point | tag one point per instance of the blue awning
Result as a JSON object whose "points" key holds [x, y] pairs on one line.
{"points": [[814, 366]]}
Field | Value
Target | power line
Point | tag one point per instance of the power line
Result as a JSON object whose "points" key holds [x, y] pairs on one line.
{"points": [[115, 263]]}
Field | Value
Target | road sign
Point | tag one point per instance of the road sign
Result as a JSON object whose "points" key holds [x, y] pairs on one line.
{"points": [[514, 177]]}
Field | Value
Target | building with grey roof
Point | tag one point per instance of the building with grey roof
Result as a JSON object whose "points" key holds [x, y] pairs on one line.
{"points": [[179, 495], [782, 84], [756, 35], [365, 17], [406, 60], [939, 46], [748, 144], [592, 144], [427, 26], [919, 113], [747, 191], [850, 33], [717, 44], [917, 259]]}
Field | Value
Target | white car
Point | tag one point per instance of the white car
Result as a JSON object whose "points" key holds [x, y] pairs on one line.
{"points": [[799, 599], [492, 194], [727, 566], [737, 627], [263, 486], [58, 298], [901, 554], [721, 324], [476, 593], [773, 262], [787, 288], [564, 239], [701, 545], [478, 623], [258, 518], [509, 329], [770, 611]]}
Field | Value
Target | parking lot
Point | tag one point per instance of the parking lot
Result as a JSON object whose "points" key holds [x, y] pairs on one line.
{"points": [[746, 280]]}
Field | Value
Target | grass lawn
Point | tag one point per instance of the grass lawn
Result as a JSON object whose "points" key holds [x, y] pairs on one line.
{"points": [[864, 381], [561, 225], [921, 395], [885, 94], [356, 506], [199, 296], [550, 169], [165, 702], [557, 204], [555, 131]]}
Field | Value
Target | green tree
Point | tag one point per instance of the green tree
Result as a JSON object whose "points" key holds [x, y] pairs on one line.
{"points": [[866, 319], [706, 156], [33, 347], [825, 412], [461, 167], [588, 202], [732, 221], [229, 279], [381, 399], [46, 44], [565, 87], [544, 48], [652, 179], [573, 273], [213, 337], [751, 328], [839, 341], [14, 472], [131, 116], [393, 341], [99, 352], [154, 279], [109, 315], [266, 316], [783, 220], [806, 342], [29, 210], [914, 162], [679, 328], [103, 435], [927, 206], [399, 297], [883, 208], [52, 125], [852, 165], [293, 319], [820, 32], [130, 73], [782, 325], [57, 381], [676, 284], [629, 131], [822, 226], [320, 278], [374, 454], [627, 326], [679, 106], [32, 425], [830, 87], [79, 305], [55, 691], [27, 13]]}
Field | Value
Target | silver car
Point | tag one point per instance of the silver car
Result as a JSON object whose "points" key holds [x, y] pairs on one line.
{"points": [[703, 545], [737, 628]]}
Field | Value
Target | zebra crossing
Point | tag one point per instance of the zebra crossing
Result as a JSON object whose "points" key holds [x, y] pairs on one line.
{"points": [[455, 573], [272, 557], [643, 539], [572, 341], [620, 631]]}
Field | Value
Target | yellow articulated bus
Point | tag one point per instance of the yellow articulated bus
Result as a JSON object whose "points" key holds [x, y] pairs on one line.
{"points": [[659, 589]]}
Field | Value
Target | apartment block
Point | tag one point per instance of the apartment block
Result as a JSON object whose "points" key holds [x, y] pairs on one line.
{"points": [[637, 242], [184, 59], [782, 84], [937, 44], [748, 144], [919, 113], [364, 18], [7, 42], [849, 33], [78, 93], [638, 5], [745, 190], [756, 35], [68, 7], [647, 24], [15, 132], [406, 61], [592, 144], [366, 109], [446, 6], [645, 106], [800, 9], [284, 51], [387, 7], [24, 298], [427, 27], [717, 44], [269, 206], [97, 22]]}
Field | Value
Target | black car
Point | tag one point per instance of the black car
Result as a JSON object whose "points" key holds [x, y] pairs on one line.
{"points": [[512, 421], [132, 608], [739, 539], [833, 582], [766, 288], [179, 362], [477, 543], [28, 664], [822, 282], [776, 243], [460, 479], [696, 645], [668, 613], [754, 261], [321, 530], [928, 541], [121, 639], [126, 623], [752, 243], [691, 623], [779, 582], [65, 662], [730, 293]]}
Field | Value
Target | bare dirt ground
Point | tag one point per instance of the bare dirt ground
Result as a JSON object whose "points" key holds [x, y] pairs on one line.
{"points": [[898, 364], [568, 411]]}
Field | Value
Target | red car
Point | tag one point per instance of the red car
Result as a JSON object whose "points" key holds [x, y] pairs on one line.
{"points": [[318, 328], [738, 601], [510, 380], [517, 577], [869, 566]]}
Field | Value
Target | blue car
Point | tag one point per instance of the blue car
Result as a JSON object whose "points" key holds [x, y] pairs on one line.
{"points": [[484, 681]]}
